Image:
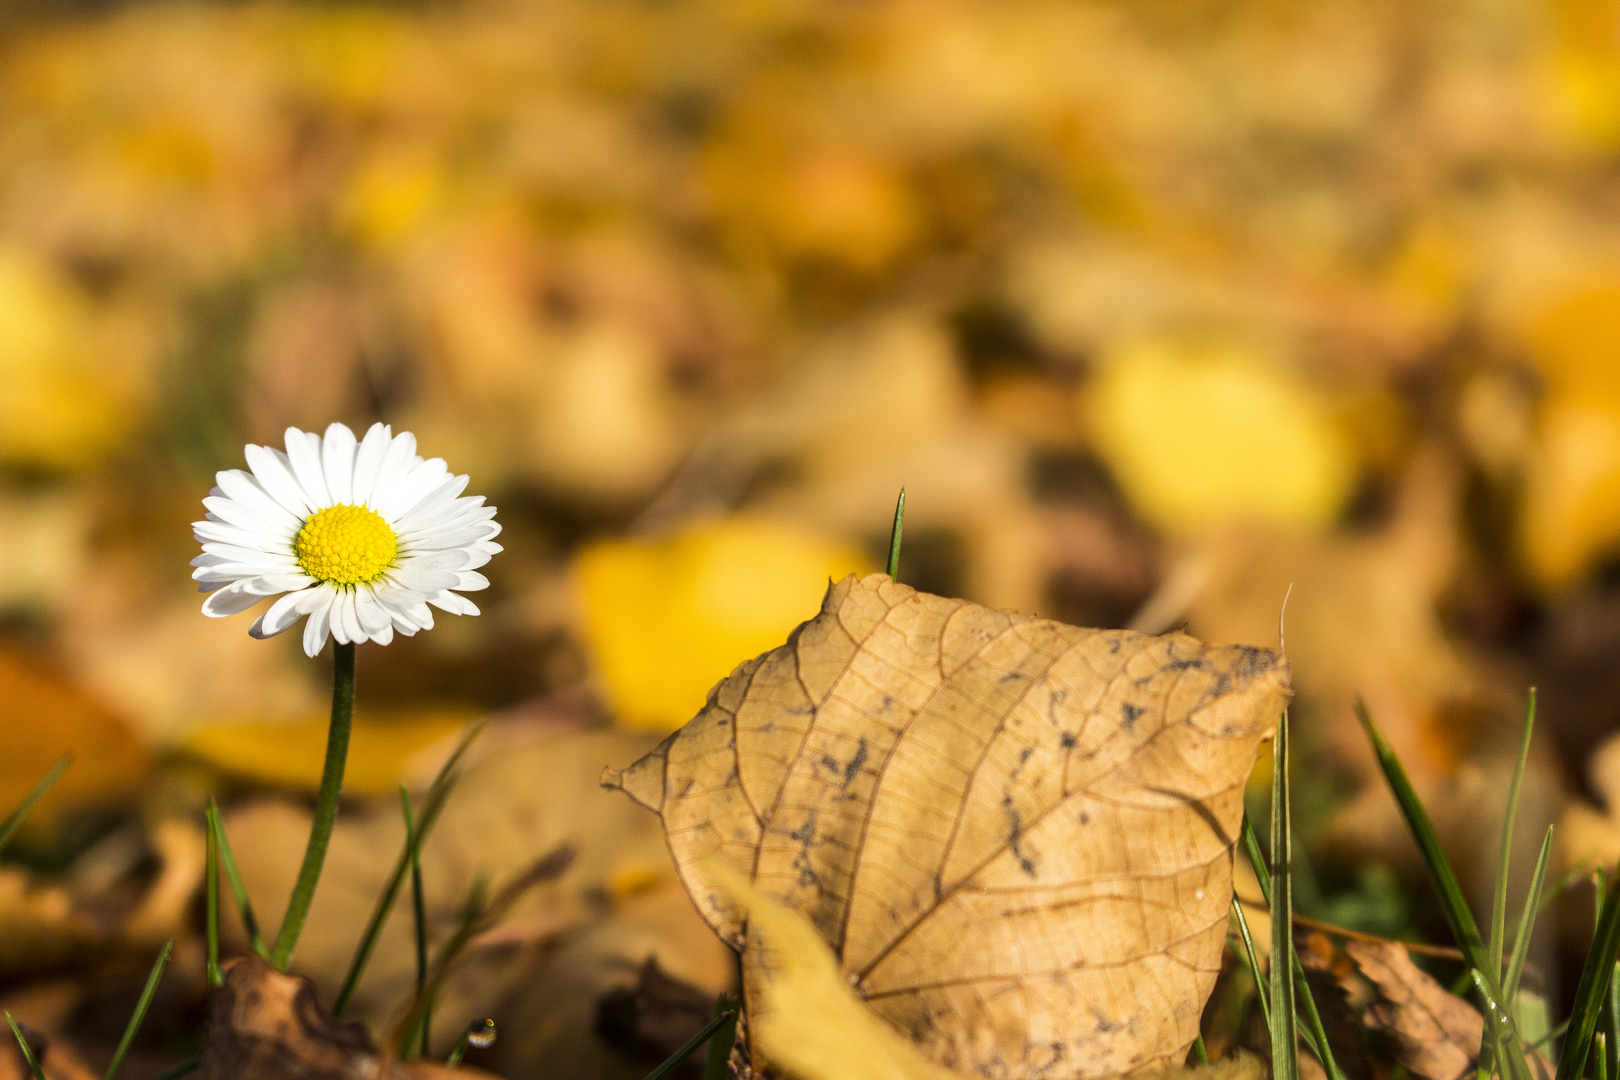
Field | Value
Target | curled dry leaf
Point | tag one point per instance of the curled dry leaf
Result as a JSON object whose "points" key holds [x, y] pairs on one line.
{"points": [[1015, 835], [1433, 1033], [268, 1026]]}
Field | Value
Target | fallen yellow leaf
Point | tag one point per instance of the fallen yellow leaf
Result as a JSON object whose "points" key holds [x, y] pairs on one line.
{"points": [[1205, 432], [291, 755], [668, 618]]}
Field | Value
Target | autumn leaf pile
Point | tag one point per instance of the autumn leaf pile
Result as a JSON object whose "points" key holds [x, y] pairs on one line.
{"points": [[1160, 312]]}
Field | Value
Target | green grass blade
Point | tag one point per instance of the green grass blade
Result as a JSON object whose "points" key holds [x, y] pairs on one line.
{"points": [[227, 859], [1527, 918], [27, 1051], [1315, 1032], [894, 534], [674, 1060], [139, 1014], [418, 909], [437, 795], [211, 907], [1494, 948], [1284, 1042], [718, 1065], [1601, 1064], [1254, 963], [472, 913], [1452, 904], [1596, 974], [1613, 1033], [15, 819]]}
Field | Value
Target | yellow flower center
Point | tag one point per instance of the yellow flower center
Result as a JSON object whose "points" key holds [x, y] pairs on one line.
{"points": [[346, 545]]}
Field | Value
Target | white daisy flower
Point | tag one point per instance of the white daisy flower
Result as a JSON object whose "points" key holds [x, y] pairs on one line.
{"points": [[360, 536]]}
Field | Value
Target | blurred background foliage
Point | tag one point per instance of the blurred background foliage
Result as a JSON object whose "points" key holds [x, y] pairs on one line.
{"points": [[1156, 309]]}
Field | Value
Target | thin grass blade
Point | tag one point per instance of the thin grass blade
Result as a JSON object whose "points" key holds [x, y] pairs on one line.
{"points": [[139, 1014], [418, 909], [15, 819], [674, 1060], [1496, 945], [1455, 908], [472, 912], [1261, 993], [1314, 1033], [27, 1051], [1284, 1041], [1596, 974], [438, 794], [189, 1066], [227, 859], [718, 1065], [211, 907], [895, 532], [1527, 918]]}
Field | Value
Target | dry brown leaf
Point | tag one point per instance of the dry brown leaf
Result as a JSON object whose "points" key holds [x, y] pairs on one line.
{"points": [[1435, 1034], [1015, 834], [264, 1025]]}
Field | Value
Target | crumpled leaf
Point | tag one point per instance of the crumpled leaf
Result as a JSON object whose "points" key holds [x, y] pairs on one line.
{"points": [[1434, 1034], [264, 1025], [1014, 834]]}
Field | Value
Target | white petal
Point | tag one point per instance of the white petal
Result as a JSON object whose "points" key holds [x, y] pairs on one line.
{"points": [[223, 533], [476, 557], [231, 599], [368, 462], [257, 556], [261, 586], [337, 460], [370, 613], [274, 473], [320, 619], [435, 501], [385, 635], [423, 581], [453, 559], [396, 462], [245, 488], [281, 614], [422, 479], [304, 453], [344, 609], [395, 596], [398, 613], [244, 516], [288, 582], [471, 581], [454, 604], [448, 541]]}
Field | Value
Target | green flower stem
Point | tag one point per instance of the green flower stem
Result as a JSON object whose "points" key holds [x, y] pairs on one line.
{"points": [[326, 804]]}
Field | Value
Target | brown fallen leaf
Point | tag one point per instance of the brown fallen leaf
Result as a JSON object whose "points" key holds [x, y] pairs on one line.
{"points": [[264, 1025], [1433, 1033], [1014, 834]]}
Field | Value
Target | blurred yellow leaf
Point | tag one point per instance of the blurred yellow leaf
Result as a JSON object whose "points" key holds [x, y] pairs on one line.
{"points": [[291, 755], [43, 716], [1572, 491], [667, 619], [54, 410], [1204, 432], [1571, 512]]}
